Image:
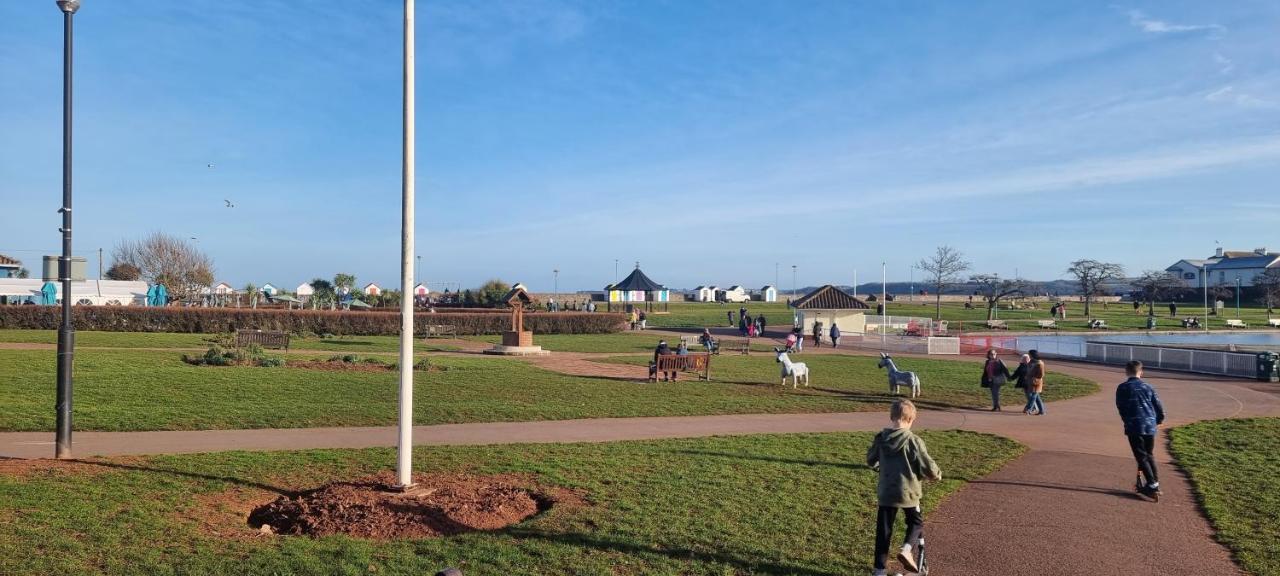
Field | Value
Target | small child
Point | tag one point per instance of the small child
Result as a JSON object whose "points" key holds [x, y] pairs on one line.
{"points": [[901, 458]]}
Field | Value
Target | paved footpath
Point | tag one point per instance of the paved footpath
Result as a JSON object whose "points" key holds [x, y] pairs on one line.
{"points": [[1064, 508]]}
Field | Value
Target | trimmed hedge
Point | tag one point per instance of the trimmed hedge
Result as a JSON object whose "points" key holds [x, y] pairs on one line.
{"points": [[340, 323]]}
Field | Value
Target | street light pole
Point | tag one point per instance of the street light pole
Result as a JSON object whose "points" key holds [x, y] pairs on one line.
{"points": [[1237, 295], [556, 272], [404, 447], [793, 283], [1204, 275], [66, 331]]}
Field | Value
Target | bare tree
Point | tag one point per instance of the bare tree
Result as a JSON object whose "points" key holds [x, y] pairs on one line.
{"points": [[1090, 275], [1155, 285], [1269, 282], [942, 271], [993, 288], [167, 260]]}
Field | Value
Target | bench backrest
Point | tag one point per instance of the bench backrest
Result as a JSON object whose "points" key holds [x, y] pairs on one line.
{"points": [[262, 338], [1235, 322], [684, 362]]}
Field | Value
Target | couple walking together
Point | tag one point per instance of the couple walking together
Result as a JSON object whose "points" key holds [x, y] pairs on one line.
{"points": [[1029, 376]]}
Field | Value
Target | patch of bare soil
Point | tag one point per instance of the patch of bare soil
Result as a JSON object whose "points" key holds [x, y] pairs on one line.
{"points": [[338, 365], [437, 505]]}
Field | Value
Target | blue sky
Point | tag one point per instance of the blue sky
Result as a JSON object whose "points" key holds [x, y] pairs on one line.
{"points": [[707, 140]]}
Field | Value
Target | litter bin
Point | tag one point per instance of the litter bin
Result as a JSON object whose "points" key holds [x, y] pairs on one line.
{"points": [[1267, 367], [1151, 322]]}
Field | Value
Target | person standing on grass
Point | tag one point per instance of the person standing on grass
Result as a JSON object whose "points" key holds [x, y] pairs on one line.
{"points": [[730, 314], [1022, 377], [799, 334], [1142, 413], [994, 375], [762, 322], [835, 335], [1173, 310], [817, 334], [644, 319], [1035, 384], [903, 463]]}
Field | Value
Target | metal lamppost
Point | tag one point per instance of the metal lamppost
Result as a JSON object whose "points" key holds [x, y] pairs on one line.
{"points": [[912, 296], [1237, 295], [66, 332], [556, 272], [793, 283]]}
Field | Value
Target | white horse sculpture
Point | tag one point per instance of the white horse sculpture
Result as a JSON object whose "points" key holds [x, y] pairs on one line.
{"points": [[796, 370], [899, 378]]}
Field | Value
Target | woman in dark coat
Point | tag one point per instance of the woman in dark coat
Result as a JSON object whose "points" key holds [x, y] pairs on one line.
{"points": [[994, 375]]}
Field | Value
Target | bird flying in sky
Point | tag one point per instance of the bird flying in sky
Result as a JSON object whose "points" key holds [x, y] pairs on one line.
{"points": [[229, 204]]}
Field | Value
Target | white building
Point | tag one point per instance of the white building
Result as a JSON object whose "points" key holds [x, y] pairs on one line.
{"points": [[223, 289], [704, 294], [304, 291], [84, 292], [421, 290], [269, 289], [769, 294], [1225, 267], [372, 289], [830, 305], [733, 294]]}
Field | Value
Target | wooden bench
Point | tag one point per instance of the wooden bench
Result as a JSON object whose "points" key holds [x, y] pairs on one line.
{"points": [[696, 363], [742, 347], [265, 338], [1236, 323], [1274, 322], [1047, 324], [997, 325], [441, 330]]}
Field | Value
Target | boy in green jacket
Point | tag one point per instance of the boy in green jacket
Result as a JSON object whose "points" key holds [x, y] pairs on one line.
{"points": [[903, 462]]}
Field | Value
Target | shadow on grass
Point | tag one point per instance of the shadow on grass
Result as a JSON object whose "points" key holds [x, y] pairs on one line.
{"points": [[184, 474], [732, 456], [740, 565]]}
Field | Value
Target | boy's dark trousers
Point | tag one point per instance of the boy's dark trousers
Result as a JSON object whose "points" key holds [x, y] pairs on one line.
{"points": [[885, 517], [1143, 445]]}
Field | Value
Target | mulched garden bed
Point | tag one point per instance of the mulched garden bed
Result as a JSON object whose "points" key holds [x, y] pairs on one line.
{"points": [[437, 505]]}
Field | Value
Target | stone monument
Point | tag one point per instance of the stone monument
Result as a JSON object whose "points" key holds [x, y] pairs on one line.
{"points": [[517, 341]]}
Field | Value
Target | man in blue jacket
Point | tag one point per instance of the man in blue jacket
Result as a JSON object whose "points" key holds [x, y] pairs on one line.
{"points": [[1142, 412]]}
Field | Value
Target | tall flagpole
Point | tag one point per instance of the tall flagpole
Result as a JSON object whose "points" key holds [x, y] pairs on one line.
{"points": [[404, 456]]}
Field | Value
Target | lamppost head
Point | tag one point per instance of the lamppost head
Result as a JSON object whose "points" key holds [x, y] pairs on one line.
{"points": [[69, 6]]}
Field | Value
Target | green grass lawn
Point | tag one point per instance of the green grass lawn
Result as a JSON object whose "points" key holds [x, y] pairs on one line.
{"points": [[639, 341], [88, 339], [785, 504], [944, 383], [1235, 468], [712, 314], [156, 390], [1117, 315]]}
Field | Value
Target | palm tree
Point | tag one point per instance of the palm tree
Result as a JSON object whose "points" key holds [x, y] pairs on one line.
{"points": [[252, 291]]}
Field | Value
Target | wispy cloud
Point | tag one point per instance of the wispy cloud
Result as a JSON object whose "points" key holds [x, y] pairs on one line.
{"points": [[1140, 20], [1225, 65], [1230, 95]]}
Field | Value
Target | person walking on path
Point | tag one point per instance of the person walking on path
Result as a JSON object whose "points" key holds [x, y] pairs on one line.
{"points": [[799, 334], [903, 462], [644, 319], [835, 335], [742, 325], [817, 334], [994, 375], [762, 322], [730, 314], [1035, 384], [742, 312], [751, 328], [1142, 413], [635, 319], [1022, 376]]}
